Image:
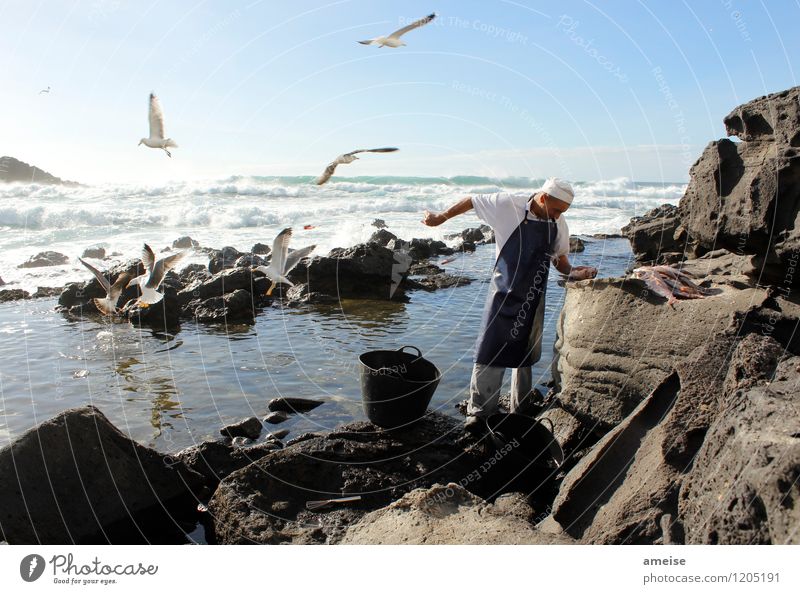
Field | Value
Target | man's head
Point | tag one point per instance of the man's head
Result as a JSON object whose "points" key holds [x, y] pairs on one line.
{"points": [[556, 196]]}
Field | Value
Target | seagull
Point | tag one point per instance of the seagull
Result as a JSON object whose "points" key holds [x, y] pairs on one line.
{"points": [[393, 40], [157, 139], [153, 275], [282, 261], [47, 90], [348, 158], [108, 306]]}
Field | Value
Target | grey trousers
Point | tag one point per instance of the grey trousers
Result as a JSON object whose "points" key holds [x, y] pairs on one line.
{"points": [[486, 381]]}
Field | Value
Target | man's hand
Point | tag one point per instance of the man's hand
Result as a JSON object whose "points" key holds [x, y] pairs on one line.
{"points": [[432, 219], [582, 273]]}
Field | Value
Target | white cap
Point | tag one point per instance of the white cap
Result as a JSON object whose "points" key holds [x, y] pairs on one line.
{"points": [[559, 188]]}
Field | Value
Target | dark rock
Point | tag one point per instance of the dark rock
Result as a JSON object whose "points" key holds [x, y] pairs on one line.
{"points": [[382, 237], [14, 170], [465, 246], [13, 295], [215, 460], [47, 292], [94, 252], [223, 282], [2, 282], [293, 405], [78, 296], [379, 223], [442, 280], [231, 307], [162, 315], [278, 434], [42, 259], [185, 243], [421, 249], [426, 268], [274, 418], [194, 273], [70, 478], [250, 428], [576, 244], [222, 259], [250, 260], [608, 236], [488, 234], [656, 236], [262, 249]]}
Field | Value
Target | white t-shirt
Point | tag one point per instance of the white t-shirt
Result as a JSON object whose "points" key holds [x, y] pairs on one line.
{"points": [[504, 212]]}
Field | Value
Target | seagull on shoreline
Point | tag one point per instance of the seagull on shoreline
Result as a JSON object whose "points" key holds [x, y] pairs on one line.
{"points": [[154, 273], [348, 158], [282, 261], [393, 39], [156, 139], [108, 306]]}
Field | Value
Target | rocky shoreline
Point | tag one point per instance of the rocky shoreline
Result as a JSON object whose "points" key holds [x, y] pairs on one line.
{"points": [[679, 425]]}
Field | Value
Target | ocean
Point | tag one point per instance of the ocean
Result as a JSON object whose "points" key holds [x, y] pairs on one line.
{"points": [[170, 391]]}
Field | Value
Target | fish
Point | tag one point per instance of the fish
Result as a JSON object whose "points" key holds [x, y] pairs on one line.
{"points": [[655, 283]]}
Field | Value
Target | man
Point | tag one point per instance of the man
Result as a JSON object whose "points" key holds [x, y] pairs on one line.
{"points": [[530, 232]]}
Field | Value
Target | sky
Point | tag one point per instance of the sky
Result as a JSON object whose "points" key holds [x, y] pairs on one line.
{"points": [[577, 89]]}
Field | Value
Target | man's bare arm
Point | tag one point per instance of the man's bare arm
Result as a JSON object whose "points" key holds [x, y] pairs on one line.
{"points": [[433, 219], [563, 265]]}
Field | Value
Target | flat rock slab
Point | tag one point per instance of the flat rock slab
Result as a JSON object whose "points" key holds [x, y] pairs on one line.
{"points": [[74, 475], [293, 405]]}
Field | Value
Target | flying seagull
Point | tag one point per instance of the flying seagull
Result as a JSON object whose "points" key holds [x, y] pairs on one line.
{"points": [[282, 261], [348, 158], [153, 275], [47, 90], [157, 139], [393, 40], [108, 306]]}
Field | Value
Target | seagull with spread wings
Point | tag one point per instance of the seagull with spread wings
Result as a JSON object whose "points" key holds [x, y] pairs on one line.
{"points": [[108, 306], [157, 139], [282, 261], [348, 158], [154, 273], [393, 40]]}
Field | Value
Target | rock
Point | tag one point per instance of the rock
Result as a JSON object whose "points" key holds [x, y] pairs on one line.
{"points": [[2, 282], [42, 259], [13, 295], [447, 514], [567, 430], [185, 243], [250, 260], [215, 460], [77, 297], [422, 249], [250, 428], [576, 244], [72, 477], [382, 237], [424, 268], [364, 271], [232, 307], [488, 234], [241, 441], [656, 236], [194, 273], [608, 236], [162, 315], [278, 434], [262, 249], [293, 405], [442, 280], [265, 502], [772, 118], [274, 418], [379, 223], [222, 283], [222, 259], [14, 170], [464, 246], [615, 342], [47, 292], [94, 252]]}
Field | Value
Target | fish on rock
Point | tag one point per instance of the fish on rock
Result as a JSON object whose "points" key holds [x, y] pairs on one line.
{"points": [[670, 283]]}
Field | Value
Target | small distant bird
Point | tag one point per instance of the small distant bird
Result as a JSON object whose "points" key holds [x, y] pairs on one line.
{"points": [[348, 158], [393, 40], [47, 90], [157, 139], [154, 273], [108, 306], [282, 261]]}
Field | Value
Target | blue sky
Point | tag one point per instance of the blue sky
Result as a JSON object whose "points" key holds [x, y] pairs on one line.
{"points": [[583, 90]]}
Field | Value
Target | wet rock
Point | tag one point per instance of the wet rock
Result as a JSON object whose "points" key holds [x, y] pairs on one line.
{"points": [[250, 260], [70, 478], [278, 434], [13, 295], [424, 268], [293, 405], [162, 315], [94, 252], [576, 244], [215, 460], [488, 234], [231, 307], [193, 273], [185, 243], [42, 259], [250, 428], [77, 297], [656, 236], [222, 283], [442, 280], [223, 259], [382, 237], [422, 249], [448, 514], [47, 292], [274, 418], [379, 223], [262, 249]]}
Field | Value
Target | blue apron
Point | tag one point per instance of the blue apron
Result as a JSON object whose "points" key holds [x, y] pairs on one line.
{"points": [[519, 283]]}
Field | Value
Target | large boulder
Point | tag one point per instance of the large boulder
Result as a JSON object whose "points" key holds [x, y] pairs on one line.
{"points": [[77, 298], [72, 477], [655, 236], [771, 118], [615, 342], [223, 258], [47, 258], [232, 307]]}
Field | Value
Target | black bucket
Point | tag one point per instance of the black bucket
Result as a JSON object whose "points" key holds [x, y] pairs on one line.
{"points": [[396, 387], [527, 456]]}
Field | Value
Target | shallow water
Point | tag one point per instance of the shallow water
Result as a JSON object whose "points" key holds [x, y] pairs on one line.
{"points": [[172, 391]]}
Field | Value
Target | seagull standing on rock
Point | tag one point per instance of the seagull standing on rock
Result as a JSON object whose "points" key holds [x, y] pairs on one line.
{"points": [[157, 139], [154, 273], [393, 40], [348, 158], [282, 261]]}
